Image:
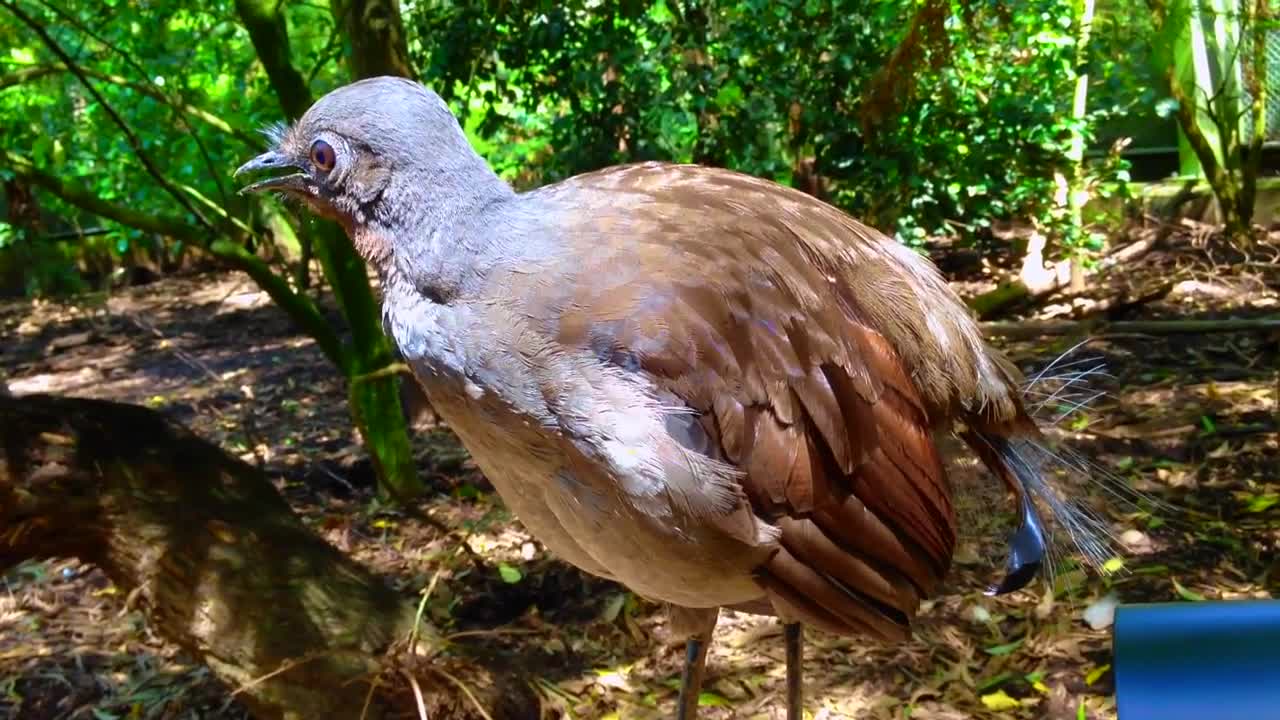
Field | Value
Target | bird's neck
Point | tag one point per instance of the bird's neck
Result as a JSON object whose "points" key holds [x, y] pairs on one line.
{"points": [[430, 223]]}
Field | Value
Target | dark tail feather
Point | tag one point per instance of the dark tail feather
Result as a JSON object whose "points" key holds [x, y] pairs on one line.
{"points": [[1051, 483], [1027, 543], [1028, 547], [1025, 461]]}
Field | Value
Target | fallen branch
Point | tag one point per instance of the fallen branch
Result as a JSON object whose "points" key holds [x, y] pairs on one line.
{"points": [[224, 568], [1136, 249], [1234, 431], [1040, 328], [1120, 302], [1038, 280]]}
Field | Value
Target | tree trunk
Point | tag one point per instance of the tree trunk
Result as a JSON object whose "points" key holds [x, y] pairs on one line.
{"points": [[223, 567], [264, 19], [376, 41], [1212, 131], [375, 404]]}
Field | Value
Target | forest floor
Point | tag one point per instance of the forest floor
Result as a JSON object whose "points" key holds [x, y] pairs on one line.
{"points": [[1190, 420]]}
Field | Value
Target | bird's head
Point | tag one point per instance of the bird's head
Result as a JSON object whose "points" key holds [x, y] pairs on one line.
{"points": [[379, 156]]}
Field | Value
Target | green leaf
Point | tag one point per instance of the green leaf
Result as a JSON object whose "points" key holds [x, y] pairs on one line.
{"points": [[660, 13], [509, 574], [1262, 503], [1036, 679], [729, 96], [1005, 649], [1093, 675], [710, 699], [993, 681], [1186, 594], [1209, 426]]}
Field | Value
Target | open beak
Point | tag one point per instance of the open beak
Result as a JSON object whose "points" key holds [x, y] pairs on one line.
{"points": [[273, 160]]}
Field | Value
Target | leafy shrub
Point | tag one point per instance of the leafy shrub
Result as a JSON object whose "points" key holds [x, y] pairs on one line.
{"points": [[553, 89]]}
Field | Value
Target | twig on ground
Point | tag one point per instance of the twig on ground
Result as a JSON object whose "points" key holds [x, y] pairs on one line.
{"points": [[1040, 328], [417, 695], [466, 691]]}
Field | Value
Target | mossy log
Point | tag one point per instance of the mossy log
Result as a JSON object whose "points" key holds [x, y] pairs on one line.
{"points": [[224, 568]]}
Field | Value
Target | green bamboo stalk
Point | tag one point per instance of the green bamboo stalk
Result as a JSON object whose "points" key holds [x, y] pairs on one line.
{"points": [[1202, 79]]}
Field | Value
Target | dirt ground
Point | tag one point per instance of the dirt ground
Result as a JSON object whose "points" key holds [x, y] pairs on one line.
{"points": [[1189, 420]]}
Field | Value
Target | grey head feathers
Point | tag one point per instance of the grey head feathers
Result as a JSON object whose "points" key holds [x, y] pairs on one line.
{"points": [[386, 158], [275, 132], [406, 126]]}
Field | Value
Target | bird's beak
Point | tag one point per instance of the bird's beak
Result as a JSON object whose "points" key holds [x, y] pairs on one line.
{"points": [[272, 160]]}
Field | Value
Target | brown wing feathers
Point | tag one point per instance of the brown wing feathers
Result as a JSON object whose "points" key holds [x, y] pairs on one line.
{"points": [[864, 535], [786, 331], [836, 451]]}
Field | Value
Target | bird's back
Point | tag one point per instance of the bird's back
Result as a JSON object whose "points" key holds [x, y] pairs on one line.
{"points": [[643, 233]]}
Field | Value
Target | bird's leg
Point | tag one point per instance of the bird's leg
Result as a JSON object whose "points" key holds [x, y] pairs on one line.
{"points": [[696, 625], [695, 665], [795, 692]]}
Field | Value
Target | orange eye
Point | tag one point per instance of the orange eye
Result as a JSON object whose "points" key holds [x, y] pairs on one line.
{"points": [[322, 155]]}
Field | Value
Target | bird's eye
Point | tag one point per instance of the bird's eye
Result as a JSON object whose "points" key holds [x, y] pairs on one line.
{"points": [[322, 155]]}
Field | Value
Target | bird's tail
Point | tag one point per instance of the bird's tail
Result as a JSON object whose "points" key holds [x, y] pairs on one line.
{"points": [[1050, 482]]}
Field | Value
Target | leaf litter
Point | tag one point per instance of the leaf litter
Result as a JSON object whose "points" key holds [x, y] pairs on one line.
{"points": [[1189, 420]]}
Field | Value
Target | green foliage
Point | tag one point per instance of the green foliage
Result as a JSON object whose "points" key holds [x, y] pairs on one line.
{"points": [[139, 115], [986, 144], [553, 89], [183, 76], [1123, 80], [37, 267], [1215, 58]]}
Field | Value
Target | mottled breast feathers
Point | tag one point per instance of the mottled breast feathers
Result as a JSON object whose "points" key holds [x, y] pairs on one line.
{"points": [[817, 357]]}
